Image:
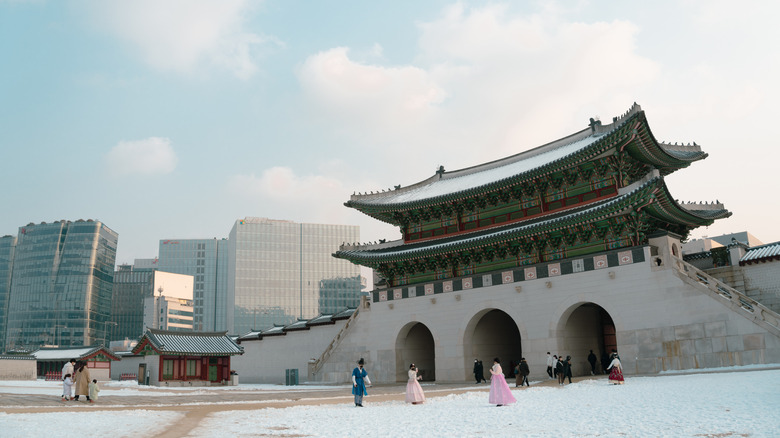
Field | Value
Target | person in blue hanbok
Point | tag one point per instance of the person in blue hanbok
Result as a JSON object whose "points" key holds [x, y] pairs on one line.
{"points": [[359, 381]]}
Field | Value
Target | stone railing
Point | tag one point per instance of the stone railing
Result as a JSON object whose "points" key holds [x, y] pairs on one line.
{"points": [[735, 299], [319, 362]]}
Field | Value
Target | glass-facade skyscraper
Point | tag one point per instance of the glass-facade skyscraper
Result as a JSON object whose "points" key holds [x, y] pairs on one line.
{"points": [[338, 294], [276, 270], [7, 248], [61, 285], [206, 261], [131, 287]]}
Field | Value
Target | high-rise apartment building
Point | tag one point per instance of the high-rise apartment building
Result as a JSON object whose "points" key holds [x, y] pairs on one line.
{"points": [[276, 268], [206, 261], [7, 247], [61, 284]]}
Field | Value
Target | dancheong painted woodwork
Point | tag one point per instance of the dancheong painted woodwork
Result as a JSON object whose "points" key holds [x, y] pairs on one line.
{"points": [[599, 189]]}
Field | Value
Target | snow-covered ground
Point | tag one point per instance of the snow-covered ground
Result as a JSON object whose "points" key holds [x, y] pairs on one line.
{"points": [[131, 388], [726, 404]]}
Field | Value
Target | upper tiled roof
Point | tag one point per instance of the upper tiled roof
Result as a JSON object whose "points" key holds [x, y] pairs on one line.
{"points": [[181, 342], [761, 253], [541, 159]]}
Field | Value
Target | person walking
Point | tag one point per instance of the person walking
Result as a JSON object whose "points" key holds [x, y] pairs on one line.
{"points": [[482, 372], [556, 359], [615, 371], [500, 394], [414, 392], [82, 379], [67, 388], [550, 364], [567, 368], [477, 371], [524, 371], [67, 370], [359, 381], [592, 361], [93, 390]]}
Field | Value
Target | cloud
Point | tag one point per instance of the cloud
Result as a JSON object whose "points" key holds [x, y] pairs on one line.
{"points": [[151, 156], [369, 93], [183, 35], [485, 84]]}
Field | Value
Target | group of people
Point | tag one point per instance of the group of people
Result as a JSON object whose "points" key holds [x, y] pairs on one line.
{"points": [[558, 367], [76, 374], [499, 394]]}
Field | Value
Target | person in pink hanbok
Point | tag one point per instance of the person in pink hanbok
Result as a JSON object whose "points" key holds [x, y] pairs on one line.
{"points": [[615, 371], [414, 392], [500, 394]]}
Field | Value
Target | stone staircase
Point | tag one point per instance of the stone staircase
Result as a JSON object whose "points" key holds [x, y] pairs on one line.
{"points": [[732, 298], [315, 367]]}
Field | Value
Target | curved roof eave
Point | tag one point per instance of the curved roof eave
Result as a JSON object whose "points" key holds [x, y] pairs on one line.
{"points": [[595, 212]]}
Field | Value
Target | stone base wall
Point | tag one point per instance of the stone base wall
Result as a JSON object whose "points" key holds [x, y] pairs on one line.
{"points": [[662, 323]]}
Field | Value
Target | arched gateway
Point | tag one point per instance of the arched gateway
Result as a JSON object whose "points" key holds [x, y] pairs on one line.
{"points": [[585, 327], [491, 333], [415, 344]]}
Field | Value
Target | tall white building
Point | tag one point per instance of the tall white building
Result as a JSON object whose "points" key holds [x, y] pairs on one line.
{"points": [[171, 307], [275, 270]]}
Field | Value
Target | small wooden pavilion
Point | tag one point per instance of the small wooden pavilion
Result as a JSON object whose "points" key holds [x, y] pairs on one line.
{"points": [[177, 358]]}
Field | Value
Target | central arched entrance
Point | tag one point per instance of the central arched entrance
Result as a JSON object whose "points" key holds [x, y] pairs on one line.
{"points": [[492, 333], [588, 327], [414, 344]]}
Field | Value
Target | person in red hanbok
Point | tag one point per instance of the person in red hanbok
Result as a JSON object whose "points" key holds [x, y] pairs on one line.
{"points": [[615, 371], [414, 392], [500, 394]]}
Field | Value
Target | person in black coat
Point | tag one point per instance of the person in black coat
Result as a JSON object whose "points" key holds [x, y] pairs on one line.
{"points": [[592, 361], [567, 369], [524, 371], [477, 370], [559, 369]]}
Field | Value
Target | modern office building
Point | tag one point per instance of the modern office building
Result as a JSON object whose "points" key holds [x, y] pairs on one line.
{"points": [[276, 269], [61, 285], [339, 294], [206, 261], [131, 287], [171, 307], [7, 247]]}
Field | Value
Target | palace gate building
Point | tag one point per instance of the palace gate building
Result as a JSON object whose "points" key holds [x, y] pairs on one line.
{"points": [[569, 247]]}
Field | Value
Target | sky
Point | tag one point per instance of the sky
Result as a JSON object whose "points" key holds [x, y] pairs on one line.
{"points": [[731, 404], [172, 120]]}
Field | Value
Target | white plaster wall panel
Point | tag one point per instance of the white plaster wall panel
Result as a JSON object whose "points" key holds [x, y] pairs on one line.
{"points": [[11, 369], [265, 361]]}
